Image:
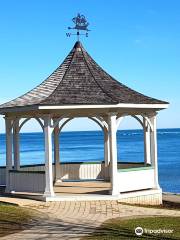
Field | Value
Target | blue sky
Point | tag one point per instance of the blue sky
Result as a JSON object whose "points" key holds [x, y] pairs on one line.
{"points": [[138, 42]]}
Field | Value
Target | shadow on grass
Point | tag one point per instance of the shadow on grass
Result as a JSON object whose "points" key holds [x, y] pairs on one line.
{"points": [[14, 219], [10, 227], [115, 229]]}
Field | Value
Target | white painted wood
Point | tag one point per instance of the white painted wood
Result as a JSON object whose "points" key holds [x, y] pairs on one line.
{"points": [[26, 109], [130, 179], [64, 123], [100, 121], [16, 144], [135, 180], [58, 120], [120, 105], [8, 123], [138, 119], [48, 157], [33, 168], [113, 152], [29, 118], [153, 138], [148, 121], [27, 182], [118, 121], [106, 148], [83, 171], [56, 153], [147, 150]]}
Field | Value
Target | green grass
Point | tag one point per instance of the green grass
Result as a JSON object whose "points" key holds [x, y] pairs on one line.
{"points": [[14, 219], [117, 229]]}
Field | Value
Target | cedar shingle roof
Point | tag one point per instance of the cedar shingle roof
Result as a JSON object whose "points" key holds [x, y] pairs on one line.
{"points": [[80, 80]]}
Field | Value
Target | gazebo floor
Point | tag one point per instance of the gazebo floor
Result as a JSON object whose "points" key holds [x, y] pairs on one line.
{"points": [[82, 187]]}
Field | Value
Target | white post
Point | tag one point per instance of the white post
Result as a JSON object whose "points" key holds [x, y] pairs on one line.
{"points": [[8, 123], [16, 144], [49, 192], [56, 154], [106, 148], [154, 160], [147, 151], [112, 128]]}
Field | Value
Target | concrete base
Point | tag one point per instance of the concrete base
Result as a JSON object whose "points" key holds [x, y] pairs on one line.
{"points": [[94, 191], [80, 198], [146, 197]]}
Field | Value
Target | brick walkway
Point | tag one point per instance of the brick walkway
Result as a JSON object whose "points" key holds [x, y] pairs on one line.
{"points": [[72, 220]]}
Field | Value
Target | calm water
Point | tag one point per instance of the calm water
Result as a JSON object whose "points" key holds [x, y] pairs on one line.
{"points": [[88, 146]]}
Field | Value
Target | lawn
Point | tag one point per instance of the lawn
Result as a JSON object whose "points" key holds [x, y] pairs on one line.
{"points": [[116, 229], [14, 219]]}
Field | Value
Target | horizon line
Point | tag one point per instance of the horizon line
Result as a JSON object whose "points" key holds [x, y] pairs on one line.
{"points": [[135, 129]]}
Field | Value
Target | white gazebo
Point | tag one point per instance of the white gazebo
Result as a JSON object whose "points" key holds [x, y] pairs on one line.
{"points": [[79, 87]]}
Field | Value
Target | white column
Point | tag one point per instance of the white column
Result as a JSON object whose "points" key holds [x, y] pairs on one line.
{"points": [[112, 126], [154, 161], [106, 148], [8, 123], [56, 154], [147, 152], [16, 145], [49, 192]]}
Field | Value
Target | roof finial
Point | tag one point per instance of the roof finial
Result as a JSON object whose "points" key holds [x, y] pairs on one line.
{"points": [[81, 24]]}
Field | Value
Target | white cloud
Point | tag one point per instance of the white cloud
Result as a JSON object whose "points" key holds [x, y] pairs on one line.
{"points": [[138, 41]]}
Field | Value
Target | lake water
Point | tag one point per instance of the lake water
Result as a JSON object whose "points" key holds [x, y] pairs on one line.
{"points": [[88, 146]]}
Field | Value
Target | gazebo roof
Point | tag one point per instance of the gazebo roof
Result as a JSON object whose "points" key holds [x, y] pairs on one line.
{"points": [[79, 80]]}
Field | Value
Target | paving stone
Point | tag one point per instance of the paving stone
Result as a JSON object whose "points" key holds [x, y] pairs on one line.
{"points": [[72, 220]]}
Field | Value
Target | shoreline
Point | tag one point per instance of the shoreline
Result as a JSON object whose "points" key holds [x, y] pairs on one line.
{"points": [[171, 197]]}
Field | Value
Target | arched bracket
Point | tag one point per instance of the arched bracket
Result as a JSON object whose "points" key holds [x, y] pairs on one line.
{"points": [[149, 122], [27, 119], [101, 125], [99, 122], [56, 122], [119, 119], [64, 123], [138, 119], [103, 121]]}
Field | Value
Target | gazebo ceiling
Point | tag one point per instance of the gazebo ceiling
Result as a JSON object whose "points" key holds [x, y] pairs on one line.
{"points": [[79, 80]]}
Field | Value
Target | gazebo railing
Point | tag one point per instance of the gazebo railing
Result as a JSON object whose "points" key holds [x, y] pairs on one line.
{"points": [[31, 178], [135, 178], [27, 181]]}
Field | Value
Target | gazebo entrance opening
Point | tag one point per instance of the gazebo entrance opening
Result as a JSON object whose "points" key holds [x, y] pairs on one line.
{"points": [[82, 167]]}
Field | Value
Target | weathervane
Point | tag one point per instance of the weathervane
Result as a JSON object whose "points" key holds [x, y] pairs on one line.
{"points": [[81, 24]]}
